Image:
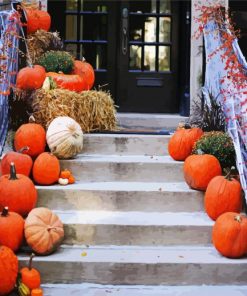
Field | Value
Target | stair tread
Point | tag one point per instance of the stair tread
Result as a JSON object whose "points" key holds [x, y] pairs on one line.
{"points": [[137, 290], [135, 136], [137, 255], [135, 218], [123, 186]]}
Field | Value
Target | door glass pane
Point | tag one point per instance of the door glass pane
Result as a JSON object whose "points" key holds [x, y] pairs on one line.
{"points": [[135, 57], [96, 55], [143, 6], [89, 5], [94, 27], [71, 27], [150, 29], [71, 4], [165, 6], [149, 58], [165, 29], [136, 28], [164, 58]]}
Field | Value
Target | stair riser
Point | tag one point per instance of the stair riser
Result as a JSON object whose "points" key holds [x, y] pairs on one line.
{"points": [[136, 235], [121, 200], [141, 274], [126, 145], [139, 172]]}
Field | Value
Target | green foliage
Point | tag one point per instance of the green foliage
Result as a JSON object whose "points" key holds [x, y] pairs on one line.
{"points": [[57, 61], [218, 144]]}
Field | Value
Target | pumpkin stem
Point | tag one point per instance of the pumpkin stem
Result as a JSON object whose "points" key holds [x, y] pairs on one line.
{"points": [[199, 152], [31, 261], [228, 175], [31, 119], [5, 212], [25, 148], [238, 218], [12, 175]]}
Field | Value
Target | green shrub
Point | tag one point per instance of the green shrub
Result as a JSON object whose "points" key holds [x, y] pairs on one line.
{"points": [[57, 61], [218, 144]]}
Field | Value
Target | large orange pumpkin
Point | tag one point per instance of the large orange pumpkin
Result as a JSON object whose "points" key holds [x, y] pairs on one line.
{"points": [[230, 235], [23, 162], [200, 169], [8, 270], [223, 194], [11, 229], [17, 192], [86, 71], [37, 19], [46, 169], [30, 78], [43, 231], [68, 81], [182, 141], [32, 135]]}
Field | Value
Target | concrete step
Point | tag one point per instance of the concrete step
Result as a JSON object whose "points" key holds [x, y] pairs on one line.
{"points": [[106, 290], [110, 144], [135, 228], [135, 168], [122, 196], [184, 265]]}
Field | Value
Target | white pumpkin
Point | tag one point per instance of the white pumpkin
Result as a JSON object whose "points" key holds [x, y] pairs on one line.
{"points": [[64, 137]]}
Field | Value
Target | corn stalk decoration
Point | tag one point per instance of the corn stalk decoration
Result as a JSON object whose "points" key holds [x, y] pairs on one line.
{"points": [[226, 77]]}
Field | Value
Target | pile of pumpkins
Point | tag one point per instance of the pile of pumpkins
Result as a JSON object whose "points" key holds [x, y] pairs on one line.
{"points": [[20, 221], [223, 194]]}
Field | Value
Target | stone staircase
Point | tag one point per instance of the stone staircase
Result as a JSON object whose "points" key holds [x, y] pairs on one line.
{"points": [[133, 227]]}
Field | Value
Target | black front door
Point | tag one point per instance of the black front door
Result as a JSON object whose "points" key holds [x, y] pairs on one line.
{"points": [[133, 46]]}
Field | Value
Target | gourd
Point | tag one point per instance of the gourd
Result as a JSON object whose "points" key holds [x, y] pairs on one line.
{"points": [[223, 194], [11, 229], [230, 235], [30, 276], [68, 81], [17, 192], [64, 137], [30, 78], [23, 162], [200, 169], [181, 143], [86, 71], [37, 20], [43, 231], [46, 169], [8, 270], [31, 135]]}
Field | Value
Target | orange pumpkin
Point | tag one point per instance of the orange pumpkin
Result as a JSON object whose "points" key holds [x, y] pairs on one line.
{"points": [[86, 71], [223, 195], [199, 170], [37, 292], [30, 78], [46, 169], [230, 235], [68, 81], [43, 231], [8, 270], [11, 229], [32, 135], [181, 143], [30, 276], [17, 192], [37, 20], [23, 162], [65, 174]]}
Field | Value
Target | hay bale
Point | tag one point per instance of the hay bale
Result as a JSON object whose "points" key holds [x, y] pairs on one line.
{"points": [[93, 110]]}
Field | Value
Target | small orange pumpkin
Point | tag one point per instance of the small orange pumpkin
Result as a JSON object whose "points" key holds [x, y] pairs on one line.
{"points": [[43, 231], [30, 276], [23, 162], [65, 174], [11, 229], [230, 235], [199, 170], [37, 20], [17, 192], [37, 292], [30, 78], [8, 270], [181, 143], [46, 169], [86, 71], [31, 135], [223, 194]]}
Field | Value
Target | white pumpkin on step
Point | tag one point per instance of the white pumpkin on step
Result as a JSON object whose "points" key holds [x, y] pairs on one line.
{"points": [[64, 137]]}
